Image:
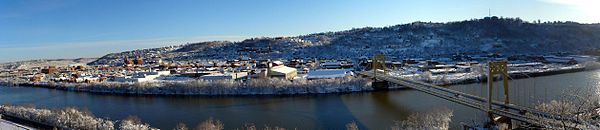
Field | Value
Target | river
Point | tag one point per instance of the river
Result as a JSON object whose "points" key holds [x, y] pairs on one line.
{"points": [[374, 110]]}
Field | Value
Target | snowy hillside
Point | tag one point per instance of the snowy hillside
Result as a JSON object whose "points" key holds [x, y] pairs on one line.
{"points": [[414, 40], [45, 63]]}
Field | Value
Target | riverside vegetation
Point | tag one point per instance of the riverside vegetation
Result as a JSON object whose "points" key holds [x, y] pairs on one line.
{"points": [[73, 118], [219, 87]]}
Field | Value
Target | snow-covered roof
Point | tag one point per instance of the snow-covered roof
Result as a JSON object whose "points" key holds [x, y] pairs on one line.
{"points": [[278, 62], [283, 69], [331, 63], [445, 66], [216, 76], [526, 64], [442, 70], [463, 66], [328, 73]]}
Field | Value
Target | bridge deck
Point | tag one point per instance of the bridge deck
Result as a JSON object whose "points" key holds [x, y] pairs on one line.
{"points": [[511, 111]]}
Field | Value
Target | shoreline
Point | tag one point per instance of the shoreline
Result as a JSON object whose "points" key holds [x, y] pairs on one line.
{"points": [[69, 118], [212, 89], [331, 86], [45, 118]]}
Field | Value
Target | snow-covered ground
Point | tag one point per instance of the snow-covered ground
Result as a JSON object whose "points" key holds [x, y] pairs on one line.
{"points": [[8, 125]]}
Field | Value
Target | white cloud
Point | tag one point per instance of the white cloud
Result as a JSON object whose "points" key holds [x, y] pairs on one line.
{"points": [[588, 8], [574, 2]]}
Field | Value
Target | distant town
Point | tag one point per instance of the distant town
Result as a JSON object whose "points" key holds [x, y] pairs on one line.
{"points": [[441, 71]]}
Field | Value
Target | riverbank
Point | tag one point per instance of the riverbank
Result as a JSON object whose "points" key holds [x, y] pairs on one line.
{"points": [[215, 88], [67, 118], [73, 118]]}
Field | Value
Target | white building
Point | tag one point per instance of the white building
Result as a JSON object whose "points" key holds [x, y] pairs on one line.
{"points": [[221, 76], [142, 76], [329, 73], [283, 72], [332, 65]]}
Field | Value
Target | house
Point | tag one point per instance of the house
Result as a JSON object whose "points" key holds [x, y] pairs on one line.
{"points": [[139, 61], [49, 70], [329, 73], [284, 72], [37, 78], [127, 61], [331, 65]]}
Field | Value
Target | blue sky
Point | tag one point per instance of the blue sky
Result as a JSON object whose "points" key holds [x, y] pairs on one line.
{"points": [[38, 29]]}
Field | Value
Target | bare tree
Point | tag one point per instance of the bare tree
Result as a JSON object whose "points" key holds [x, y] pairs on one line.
{"points": [[249, 127], [437, 119], [134, 123], [273, 128], [210, 124], [224, 87], [181, 126], [576, 104], [351, 126], [68, 118]]}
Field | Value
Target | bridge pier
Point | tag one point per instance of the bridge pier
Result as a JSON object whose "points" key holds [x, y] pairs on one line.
{"points": [[503, 120], [380, 85]]}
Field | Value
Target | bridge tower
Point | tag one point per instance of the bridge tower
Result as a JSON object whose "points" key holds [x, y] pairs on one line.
{"points": [[378, 64], [501, 68]]}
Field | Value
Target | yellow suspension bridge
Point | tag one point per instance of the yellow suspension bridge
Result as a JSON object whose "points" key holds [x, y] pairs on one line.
{"points": [[502, 112]]}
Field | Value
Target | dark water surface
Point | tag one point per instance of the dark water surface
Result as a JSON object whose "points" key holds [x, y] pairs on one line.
{"points": [[375, 110]]}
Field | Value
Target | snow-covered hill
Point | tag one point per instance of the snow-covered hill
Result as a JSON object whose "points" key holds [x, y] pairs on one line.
{"points": [[45, 63], [414, 40]]}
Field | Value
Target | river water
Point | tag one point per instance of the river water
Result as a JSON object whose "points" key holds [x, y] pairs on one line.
{"points": [[375, 110]]}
